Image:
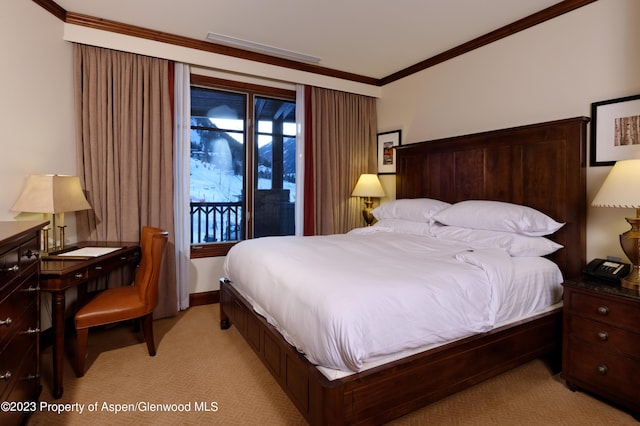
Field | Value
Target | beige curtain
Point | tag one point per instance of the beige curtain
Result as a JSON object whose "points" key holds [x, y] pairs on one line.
{"points": [[344, 146], [124, 151]]}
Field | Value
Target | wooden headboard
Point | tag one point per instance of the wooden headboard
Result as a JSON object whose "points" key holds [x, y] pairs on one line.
{"points": [[540, 165]]}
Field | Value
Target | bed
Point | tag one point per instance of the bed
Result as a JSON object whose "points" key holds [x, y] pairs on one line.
{"points": [[541, 166]]}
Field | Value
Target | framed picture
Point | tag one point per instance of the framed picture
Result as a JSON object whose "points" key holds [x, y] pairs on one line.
{"points": [[615, 130], [386, 153]]}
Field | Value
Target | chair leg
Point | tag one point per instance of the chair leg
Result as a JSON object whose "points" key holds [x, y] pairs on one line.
{"points": [[82, 337], [147, 330]]}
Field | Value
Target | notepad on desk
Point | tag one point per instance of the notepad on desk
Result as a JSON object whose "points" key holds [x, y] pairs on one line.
{"points": [[88, 252]]}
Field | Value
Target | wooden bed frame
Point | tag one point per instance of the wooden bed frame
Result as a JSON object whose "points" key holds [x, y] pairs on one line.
{"points": [[540, 165]]}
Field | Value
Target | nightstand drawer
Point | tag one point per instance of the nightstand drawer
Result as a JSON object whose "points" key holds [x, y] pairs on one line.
{"points": [[615, 374], [606, 310], [604, 336]]}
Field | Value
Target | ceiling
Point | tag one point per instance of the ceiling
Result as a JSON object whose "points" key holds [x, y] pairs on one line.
{"points": [[372, 38]]}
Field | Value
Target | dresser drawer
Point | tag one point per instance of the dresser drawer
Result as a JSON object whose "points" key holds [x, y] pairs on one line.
{"points": [[16, 357], [605, 310], [608, 372], [23, 388], [24, 382], [604, 336], [21, 302], [9, 268], [15, 262], [29, 252]]}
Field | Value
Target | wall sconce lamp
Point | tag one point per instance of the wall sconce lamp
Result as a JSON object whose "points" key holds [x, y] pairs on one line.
{"points": [[620, 189], [55, 195], [368, 186]]}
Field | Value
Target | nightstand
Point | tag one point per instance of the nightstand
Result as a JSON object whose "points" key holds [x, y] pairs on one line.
{"points": [[601, 341]]}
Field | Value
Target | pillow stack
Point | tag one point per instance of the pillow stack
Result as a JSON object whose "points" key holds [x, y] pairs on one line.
{"points": [[409, 215], [519, 230]]}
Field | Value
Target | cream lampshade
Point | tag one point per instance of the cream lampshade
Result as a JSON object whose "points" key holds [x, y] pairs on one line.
{"points": [[52, 194], [368, 186], [621, 189]]}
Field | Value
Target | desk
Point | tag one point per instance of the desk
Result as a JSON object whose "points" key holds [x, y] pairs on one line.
{"points": [[58, 275]]}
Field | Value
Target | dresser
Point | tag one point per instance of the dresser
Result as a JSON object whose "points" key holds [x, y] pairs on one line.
{"points": [[19, 319], [601, 341]]}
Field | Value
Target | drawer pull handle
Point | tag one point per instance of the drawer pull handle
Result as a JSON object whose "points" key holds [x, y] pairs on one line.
{"points": [[98, 268], [603, 310], [603, 335], [14, 268], [33, 253], [602, 369], [7, 322], [31, 331], [6, 376], [78, 275]]}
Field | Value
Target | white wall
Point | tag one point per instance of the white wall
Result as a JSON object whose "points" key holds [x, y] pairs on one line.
{"points": [[36, 105], [551, 71]]}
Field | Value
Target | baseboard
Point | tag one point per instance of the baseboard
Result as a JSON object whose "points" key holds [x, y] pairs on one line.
{"points": [[204, 298]]}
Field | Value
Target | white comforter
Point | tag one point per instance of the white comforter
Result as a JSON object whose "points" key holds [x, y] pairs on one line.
{"points": [[346, 299]]}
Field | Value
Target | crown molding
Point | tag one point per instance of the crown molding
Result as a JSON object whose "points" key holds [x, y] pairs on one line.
{"points": [[106, 25], [515, 27]]}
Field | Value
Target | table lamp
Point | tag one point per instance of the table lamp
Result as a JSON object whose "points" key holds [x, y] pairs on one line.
{"points": [[55, 195], [368, 186], [621, 189]]}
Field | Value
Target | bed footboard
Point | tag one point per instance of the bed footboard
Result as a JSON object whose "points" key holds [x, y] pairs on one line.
{"points": [[319, 400], [383, 393]]}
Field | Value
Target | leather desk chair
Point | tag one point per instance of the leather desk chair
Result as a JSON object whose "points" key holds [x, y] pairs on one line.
{"points": [[136, 301]]}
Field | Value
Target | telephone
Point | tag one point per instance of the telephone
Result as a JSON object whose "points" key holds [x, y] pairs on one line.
{"points": [[608, 270]]}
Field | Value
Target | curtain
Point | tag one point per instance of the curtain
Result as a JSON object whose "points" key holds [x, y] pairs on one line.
{"points": [[300, 158], [182, 153], [309, 211], [343, 147], [124, 151]]}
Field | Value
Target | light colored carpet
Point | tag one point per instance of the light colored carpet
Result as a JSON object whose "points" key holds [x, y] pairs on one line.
{"points": [[198, 365]]}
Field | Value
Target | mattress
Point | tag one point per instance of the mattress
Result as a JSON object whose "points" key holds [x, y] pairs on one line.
{"points": [[352, 301]]}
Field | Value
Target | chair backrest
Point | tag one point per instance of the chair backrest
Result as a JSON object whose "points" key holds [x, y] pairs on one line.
{"points": [[153, 242]]}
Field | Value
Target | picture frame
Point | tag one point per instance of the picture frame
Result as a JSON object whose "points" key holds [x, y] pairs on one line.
{"points": [[386, 154], [615, 130]]}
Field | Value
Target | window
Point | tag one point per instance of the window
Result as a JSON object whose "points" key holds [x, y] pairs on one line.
{"points": [[243, 159]]}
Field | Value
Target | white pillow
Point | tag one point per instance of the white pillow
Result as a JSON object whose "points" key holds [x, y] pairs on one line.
{"points": [[515, 244], [498, 216], [413, 209], [404, 226]]}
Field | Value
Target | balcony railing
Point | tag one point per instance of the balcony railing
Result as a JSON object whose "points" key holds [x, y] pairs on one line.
{"points": [[215, 222]]}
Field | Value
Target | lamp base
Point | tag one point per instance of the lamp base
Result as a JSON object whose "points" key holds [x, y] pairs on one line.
{"points": [[366, 212], [630, 242], [368, 216], [632, 281]]}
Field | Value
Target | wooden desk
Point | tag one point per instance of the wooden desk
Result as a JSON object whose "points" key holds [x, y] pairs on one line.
{"points": [[58, 275]]}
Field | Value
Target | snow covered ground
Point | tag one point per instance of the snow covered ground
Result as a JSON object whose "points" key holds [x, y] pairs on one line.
{"points": [[210, 185]]}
